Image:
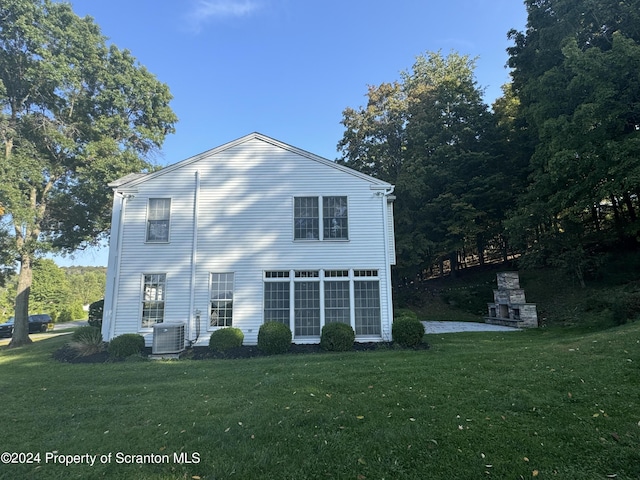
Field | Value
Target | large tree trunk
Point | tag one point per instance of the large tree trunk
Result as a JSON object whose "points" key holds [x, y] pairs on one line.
{"points": [[21, 325]]}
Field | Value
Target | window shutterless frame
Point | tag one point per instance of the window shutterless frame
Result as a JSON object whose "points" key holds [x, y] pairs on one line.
{"points": [[324, 218], [154, 286], [221, 305], [158, 220]]}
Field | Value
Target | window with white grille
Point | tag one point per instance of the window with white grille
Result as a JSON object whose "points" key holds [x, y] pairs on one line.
{"points": [[153, 298]]}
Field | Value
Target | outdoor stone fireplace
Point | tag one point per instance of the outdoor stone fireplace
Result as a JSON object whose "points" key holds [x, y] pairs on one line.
{"points": [[509, 305]]}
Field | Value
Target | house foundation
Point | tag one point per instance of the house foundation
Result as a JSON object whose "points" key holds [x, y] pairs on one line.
{"points": [[509, 305]]}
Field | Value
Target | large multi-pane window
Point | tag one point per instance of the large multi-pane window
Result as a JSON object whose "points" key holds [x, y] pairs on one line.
{"points": [[309, 211], [153, 298], [366, 298], [221, 300], [309, 299], [334, 218], [158, 217]]}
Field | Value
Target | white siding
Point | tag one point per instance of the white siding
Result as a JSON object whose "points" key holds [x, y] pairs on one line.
{"points": [[245, 226]]}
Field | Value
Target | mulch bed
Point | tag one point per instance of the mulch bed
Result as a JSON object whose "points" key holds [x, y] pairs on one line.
{"points": [[68, 355]]}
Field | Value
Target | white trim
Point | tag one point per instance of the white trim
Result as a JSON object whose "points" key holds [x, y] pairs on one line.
{"points": [[146, 226], [194, 256], [109, 314], [137, 179]]}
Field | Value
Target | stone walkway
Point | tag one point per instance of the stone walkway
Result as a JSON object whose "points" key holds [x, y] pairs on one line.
{"points": [[454, 327]]}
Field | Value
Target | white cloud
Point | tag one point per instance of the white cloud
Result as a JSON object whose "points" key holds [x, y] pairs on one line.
{"points": [[206, 10]]}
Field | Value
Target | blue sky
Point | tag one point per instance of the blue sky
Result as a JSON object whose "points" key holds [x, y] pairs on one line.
{"points": [[288, 68]]}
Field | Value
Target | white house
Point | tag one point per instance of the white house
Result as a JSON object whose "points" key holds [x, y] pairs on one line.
{"points": [[252, 231]]}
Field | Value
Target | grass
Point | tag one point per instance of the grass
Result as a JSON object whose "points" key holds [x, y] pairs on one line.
{"points": [[550, 403]]}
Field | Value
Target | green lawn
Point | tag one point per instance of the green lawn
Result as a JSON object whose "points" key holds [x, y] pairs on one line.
{"points": [[549, 403]]}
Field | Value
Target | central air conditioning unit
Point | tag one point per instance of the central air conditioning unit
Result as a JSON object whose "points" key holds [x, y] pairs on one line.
{"points": [[168, 338]]}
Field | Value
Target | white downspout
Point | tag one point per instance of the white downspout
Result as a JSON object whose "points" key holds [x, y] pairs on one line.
{"points": [[387, 256], [194, 258]]}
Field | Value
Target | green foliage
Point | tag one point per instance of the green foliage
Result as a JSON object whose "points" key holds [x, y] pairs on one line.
{"points": [[337, 337], [87, 283], [574, 71], [274, 338], [64, 316], [433, 137], [76, 113], [77, 312], [86, 341], [126, 345], [95, 313], [404, 312], [471, 299], [407, 331], [50, 289], [225, 339]]}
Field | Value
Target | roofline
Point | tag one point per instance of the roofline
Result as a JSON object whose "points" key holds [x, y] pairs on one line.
{"points": [[140, 178]]}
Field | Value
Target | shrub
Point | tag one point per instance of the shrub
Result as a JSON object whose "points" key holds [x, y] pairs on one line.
{"points": [[126, 345], [337, 337], [225, 339], [274, 338], [65, 316], [407, 332], [86, 341], [76, 310], [95, 313]]}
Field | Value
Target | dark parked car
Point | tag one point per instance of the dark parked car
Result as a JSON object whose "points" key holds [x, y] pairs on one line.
{"points": [[37, 323]]}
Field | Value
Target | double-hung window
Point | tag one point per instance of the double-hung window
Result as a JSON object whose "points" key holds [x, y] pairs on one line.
{"points": [[308, 212], [221, 300], [158, 217], [153, 298], [334, 218]]}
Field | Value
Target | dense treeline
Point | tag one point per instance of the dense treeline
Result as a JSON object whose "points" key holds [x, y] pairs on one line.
{"points": [[551, 170], [62, 292]]}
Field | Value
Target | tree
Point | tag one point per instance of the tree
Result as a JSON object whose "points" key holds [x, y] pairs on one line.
{"points": [[433, 137], [576, 75], [87, 283], [50, 290], [75, 115]]}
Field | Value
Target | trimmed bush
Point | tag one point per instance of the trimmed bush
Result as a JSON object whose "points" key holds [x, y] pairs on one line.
{"points": [[65, 316], [126, 345], [407, 331], [86, 341], [95, 313], [337, 337], [274, 338], [225, 339]]}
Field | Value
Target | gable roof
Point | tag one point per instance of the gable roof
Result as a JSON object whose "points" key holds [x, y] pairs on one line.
{"points": [[136, 178]]}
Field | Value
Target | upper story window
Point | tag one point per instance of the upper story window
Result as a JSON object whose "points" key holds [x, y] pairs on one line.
{"points": [[307, 212], [158, 216], [305, 218], [334, 218]]}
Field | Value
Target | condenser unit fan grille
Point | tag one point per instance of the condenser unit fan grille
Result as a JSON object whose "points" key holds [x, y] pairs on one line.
{"points": [[168, 338]]}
